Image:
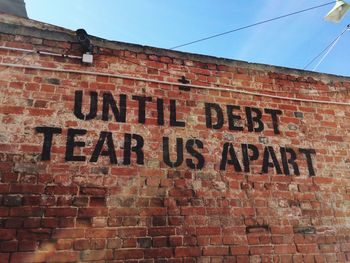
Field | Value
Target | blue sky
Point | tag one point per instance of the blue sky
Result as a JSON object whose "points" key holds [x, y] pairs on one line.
{"points": [[289, 42]]}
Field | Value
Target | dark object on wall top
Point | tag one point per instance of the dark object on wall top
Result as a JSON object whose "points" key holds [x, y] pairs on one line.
{"points": [[83, 39], [88, 48]]}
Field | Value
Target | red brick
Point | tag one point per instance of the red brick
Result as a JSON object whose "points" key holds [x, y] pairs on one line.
{"points": [[98, 201], [90, 212], [33, 234], [244, 211], [307, 248], [158, 253], [68, 233], [208, 231], [90, 255], [61, 212], [282, 230], [334, 138], [27, 189], [7, 234], [345, 247], [4, 211], [285, 249], [11, 110], [4, 257], [81, 244], [260, 250], [61, 190], [239, 250], [161, 231], [123, 212], [132, 232], [27, 245], [31, 223], [100, 233], [94, 191], [160, 241], [130, 242], [44, 256], [216, 251], [70, 211], [129, 254], [153, 211], [8, 246], [40, 112], [187, 252], [193, 210], [64, 244], [30, 257], [175, 241]]}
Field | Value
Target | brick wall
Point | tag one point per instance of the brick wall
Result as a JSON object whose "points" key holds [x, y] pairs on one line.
{"points": [[157, 174]]}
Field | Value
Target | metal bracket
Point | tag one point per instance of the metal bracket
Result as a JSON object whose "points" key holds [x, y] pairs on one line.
{"points": [[183, 80]]}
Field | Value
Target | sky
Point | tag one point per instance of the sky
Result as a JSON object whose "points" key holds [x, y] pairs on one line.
{"points": [[290, 42]]}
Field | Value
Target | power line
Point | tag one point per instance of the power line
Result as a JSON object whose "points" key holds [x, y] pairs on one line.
{"points": [[248, 26], [328, 49], [225, 88]]}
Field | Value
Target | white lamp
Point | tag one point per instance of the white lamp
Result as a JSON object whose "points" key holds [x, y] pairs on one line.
{"points": [[338, 11]]}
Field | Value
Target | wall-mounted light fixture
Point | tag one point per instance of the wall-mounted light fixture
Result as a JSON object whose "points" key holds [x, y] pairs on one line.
{"points": [[88, 48], [338, 11]]}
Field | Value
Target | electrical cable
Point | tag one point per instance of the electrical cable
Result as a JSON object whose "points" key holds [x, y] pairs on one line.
{"points": [[28, 51], [329, 48], [19, 59], [226, 88], [273, 91], [248, 26], [40, 52]]}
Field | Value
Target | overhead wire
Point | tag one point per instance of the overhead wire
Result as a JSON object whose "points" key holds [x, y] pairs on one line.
{"points": [[327, 47], [249, 26], [330, 49]]}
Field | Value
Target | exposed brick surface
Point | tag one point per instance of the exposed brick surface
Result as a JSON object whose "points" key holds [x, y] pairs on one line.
{"points": [[97, 197]]}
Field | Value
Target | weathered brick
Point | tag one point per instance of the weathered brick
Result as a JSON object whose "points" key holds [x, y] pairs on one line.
{"points": [[27, 245], [161, 231], [129, 254], [80, 201], [26, 189], [26, 211], [187, 252], [144, 242], [4, 257], [285, 249], [68, 233], [158, 253], [61, 212], [216, 251], [96, 211], [12, 200], [8, 246], [132, 232], [89, 255], [205, 174]]}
